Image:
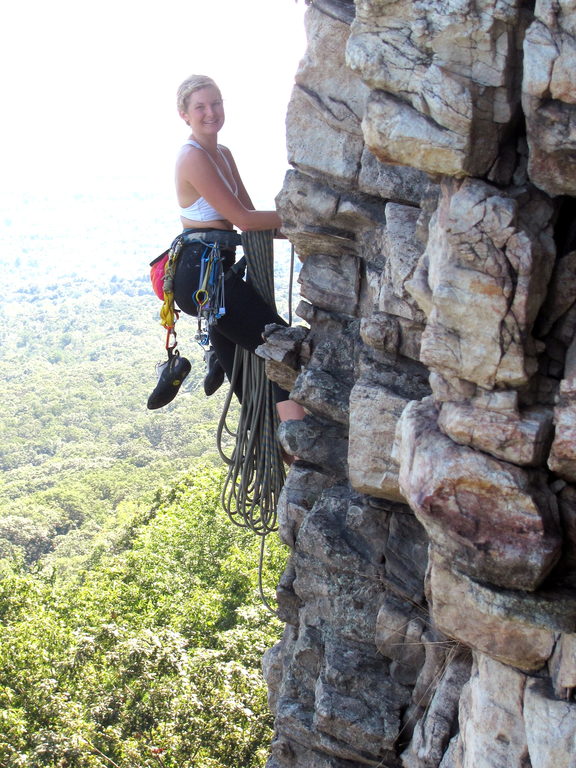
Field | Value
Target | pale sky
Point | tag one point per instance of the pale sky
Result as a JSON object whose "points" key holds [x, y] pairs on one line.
{"points": [[88, 88]]}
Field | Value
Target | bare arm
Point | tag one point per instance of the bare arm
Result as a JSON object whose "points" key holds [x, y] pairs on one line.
{"points": [[243, 195], [198, 171]]}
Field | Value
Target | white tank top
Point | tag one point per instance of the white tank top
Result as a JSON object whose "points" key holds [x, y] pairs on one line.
{"points": [[201, 210]]}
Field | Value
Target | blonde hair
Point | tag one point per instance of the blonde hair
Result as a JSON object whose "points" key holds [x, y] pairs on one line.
{"points": [[191, 84]]}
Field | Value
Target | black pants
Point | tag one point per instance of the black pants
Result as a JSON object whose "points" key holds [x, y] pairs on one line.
{"points": [[245, 317]]}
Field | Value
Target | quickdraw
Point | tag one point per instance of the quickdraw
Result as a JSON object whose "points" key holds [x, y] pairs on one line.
{"points": [[210, 296]]}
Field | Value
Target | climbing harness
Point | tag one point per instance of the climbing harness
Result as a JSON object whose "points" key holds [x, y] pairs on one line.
{"points": [[210, 295], [256, 472]]}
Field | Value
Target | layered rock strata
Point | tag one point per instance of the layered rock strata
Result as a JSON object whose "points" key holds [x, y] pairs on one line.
{"points": [[429, 599]]}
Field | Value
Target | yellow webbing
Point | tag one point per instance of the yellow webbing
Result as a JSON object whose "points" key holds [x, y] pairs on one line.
{"points": [[167, 313]]}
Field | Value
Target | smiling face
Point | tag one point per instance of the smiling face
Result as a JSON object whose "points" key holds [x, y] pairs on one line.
{"points": [[204, 112]]}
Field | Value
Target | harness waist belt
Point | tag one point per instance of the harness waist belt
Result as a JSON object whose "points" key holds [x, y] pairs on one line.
{"points": [[225, 238]]}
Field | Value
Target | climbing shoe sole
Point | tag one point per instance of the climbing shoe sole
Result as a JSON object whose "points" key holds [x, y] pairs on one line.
{"points": [[173, 373]]}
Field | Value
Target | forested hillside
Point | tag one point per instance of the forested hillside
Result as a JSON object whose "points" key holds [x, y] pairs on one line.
{"points": [[126, 597], [150, 654], [78, 440]]}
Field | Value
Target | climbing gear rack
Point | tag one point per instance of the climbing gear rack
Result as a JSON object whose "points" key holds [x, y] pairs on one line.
{"points": [[210, 296]]}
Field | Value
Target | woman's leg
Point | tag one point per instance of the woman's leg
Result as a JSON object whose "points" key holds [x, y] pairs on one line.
{"points": [[186, 282], [226, 351], [246, 314], [288, 409], [243, 324]]}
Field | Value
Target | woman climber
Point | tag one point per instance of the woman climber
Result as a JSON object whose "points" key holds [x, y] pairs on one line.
{"points": [[213, 200]]}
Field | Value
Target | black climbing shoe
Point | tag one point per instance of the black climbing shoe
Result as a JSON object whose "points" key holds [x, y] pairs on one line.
{"points": [[215, 376], [172, 374]]}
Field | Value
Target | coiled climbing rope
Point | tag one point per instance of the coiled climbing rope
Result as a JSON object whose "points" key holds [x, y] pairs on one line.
{"points": [[256, 472]]}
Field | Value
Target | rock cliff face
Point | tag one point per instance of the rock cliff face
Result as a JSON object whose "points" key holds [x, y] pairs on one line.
{"points": [[430, 601]]}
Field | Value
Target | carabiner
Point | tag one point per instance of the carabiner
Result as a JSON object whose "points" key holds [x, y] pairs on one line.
{"points": [[171, 342]]}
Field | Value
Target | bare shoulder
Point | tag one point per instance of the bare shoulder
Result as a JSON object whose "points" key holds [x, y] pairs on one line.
{"points": [[226, 151], [190, 156], [190, 150]]}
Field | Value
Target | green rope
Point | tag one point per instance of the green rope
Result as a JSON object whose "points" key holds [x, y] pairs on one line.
{"points": [[256, 472]]}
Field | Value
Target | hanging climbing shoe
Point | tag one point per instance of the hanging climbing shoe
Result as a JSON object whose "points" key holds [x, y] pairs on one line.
{"points": [[215, 375], [172, 374]]}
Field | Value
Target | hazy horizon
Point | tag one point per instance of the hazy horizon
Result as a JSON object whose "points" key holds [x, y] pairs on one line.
{"points": [[91, 111]]}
